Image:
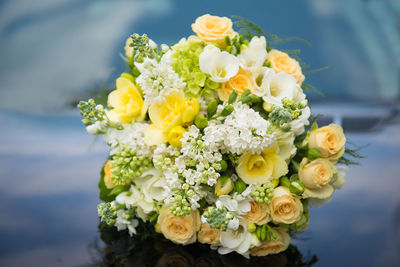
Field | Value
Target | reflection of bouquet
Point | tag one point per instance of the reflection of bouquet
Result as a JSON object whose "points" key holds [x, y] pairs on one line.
{"points": [[122, 250], [210, 141]]}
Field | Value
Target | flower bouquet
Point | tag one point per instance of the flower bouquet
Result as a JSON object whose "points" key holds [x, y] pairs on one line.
{"points": [[211, 141]]}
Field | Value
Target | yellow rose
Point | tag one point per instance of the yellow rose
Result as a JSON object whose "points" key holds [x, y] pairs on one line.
{"points": [[281, 62], [213, 29], [261, 168], [285, 207], [329, 141], [208, 235], [190, 109], [316, 176], [107, 176], [175, 135], [179, 230], [258, 213], [127, 102], [128, 49], [273, 246], [240, 82]]}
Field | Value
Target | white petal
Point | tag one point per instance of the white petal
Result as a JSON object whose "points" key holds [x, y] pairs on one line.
{"points": [[207, 58]]}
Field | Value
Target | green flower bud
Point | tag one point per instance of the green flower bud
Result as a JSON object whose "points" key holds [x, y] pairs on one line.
{"points": [[268, 107], [284, 181], [240, 186], [232, 97], [227, 110], [201, 122], [224, 165], [224, 186], [296, 187], [251, 227], [212, 108]]}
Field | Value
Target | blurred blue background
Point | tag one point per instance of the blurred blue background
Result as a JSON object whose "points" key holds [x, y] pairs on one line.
{"points": [[53, 51]]}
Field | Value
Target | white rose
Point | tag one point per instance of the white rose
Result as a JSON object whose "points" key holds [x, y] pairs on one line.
{"points": [[255, 54], [220, 65], [152, 184]]}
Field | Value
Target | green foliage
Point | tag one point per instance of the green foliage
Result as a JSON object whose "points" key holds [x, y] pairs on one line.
{"points": [[247, 29]]}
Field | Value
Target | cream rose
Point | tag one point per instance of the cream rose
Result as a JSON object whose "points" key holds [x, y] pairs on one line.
{"points": [[281, 62], [213, 29], [242, 81], [273, 246], [208, 235], [329, 141], [179, 230], [316, 177], [258, 213], [285, 207]]}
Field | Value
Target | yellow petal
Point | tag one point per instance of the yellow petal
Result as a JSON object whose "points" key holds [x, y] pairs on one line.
{"points": [[114, 99], [124, 83], [154, 136], [280, 167]]}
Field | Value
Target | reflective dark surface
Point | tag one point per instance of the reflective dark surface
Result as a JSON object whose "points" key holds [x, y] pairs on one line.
{"points": [[52, 51]]}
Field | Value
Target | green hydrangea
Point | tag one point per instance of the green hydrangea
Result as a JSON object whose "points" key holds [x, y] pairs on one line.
{"points": [[185, 62]]}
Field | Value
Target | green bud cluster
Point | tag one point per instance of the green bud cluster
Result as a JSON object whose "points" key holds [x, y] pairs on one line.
{"points": [[263, 193], [265, 232], [126, 165], [91, 112], [280, 117], [128, 214], [107, 213], [141, 47], [179, 204], [236, 44], [218, 218]]}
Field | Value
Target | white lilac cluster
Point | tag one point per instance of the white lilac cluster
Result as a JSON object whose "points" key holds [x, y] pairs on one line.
{"points": [[132, 136], [157, 80], [209, 143], [242, 131]]}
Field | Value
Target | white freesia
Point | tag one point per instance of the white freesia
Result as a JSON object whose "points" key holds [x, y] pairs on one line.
{"points": [[236, 203], [278, 86], [152, 185], [255, 54], [221, 66], [239, 240], [121, 223], [285, 141]]}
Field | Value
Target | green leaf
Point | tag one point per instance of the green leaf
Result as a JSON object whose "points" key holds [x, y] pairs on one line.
{"points": [[247, 29]]}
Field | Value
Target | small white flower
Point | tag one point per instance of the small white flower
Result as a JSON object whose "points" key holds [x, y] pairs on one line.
{"points": [[220, 65], [238, 240], [279, 86]]}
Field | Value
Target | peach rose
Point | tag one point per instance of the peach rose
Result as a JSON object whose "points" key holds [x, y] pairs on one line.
{"points": [[208, 235], [240, 82], [329, 141], [107, 176], [285, 207], [273, 246], [258, 213], [179, 230], [213, 29], [282, 62]]}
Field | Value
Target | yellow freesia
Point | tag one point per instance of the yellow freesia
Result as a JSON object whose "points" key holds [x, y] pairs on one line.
{"points": [[126, 101], [176, 110], [190, 109], [175, 135], [261, 168]]}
